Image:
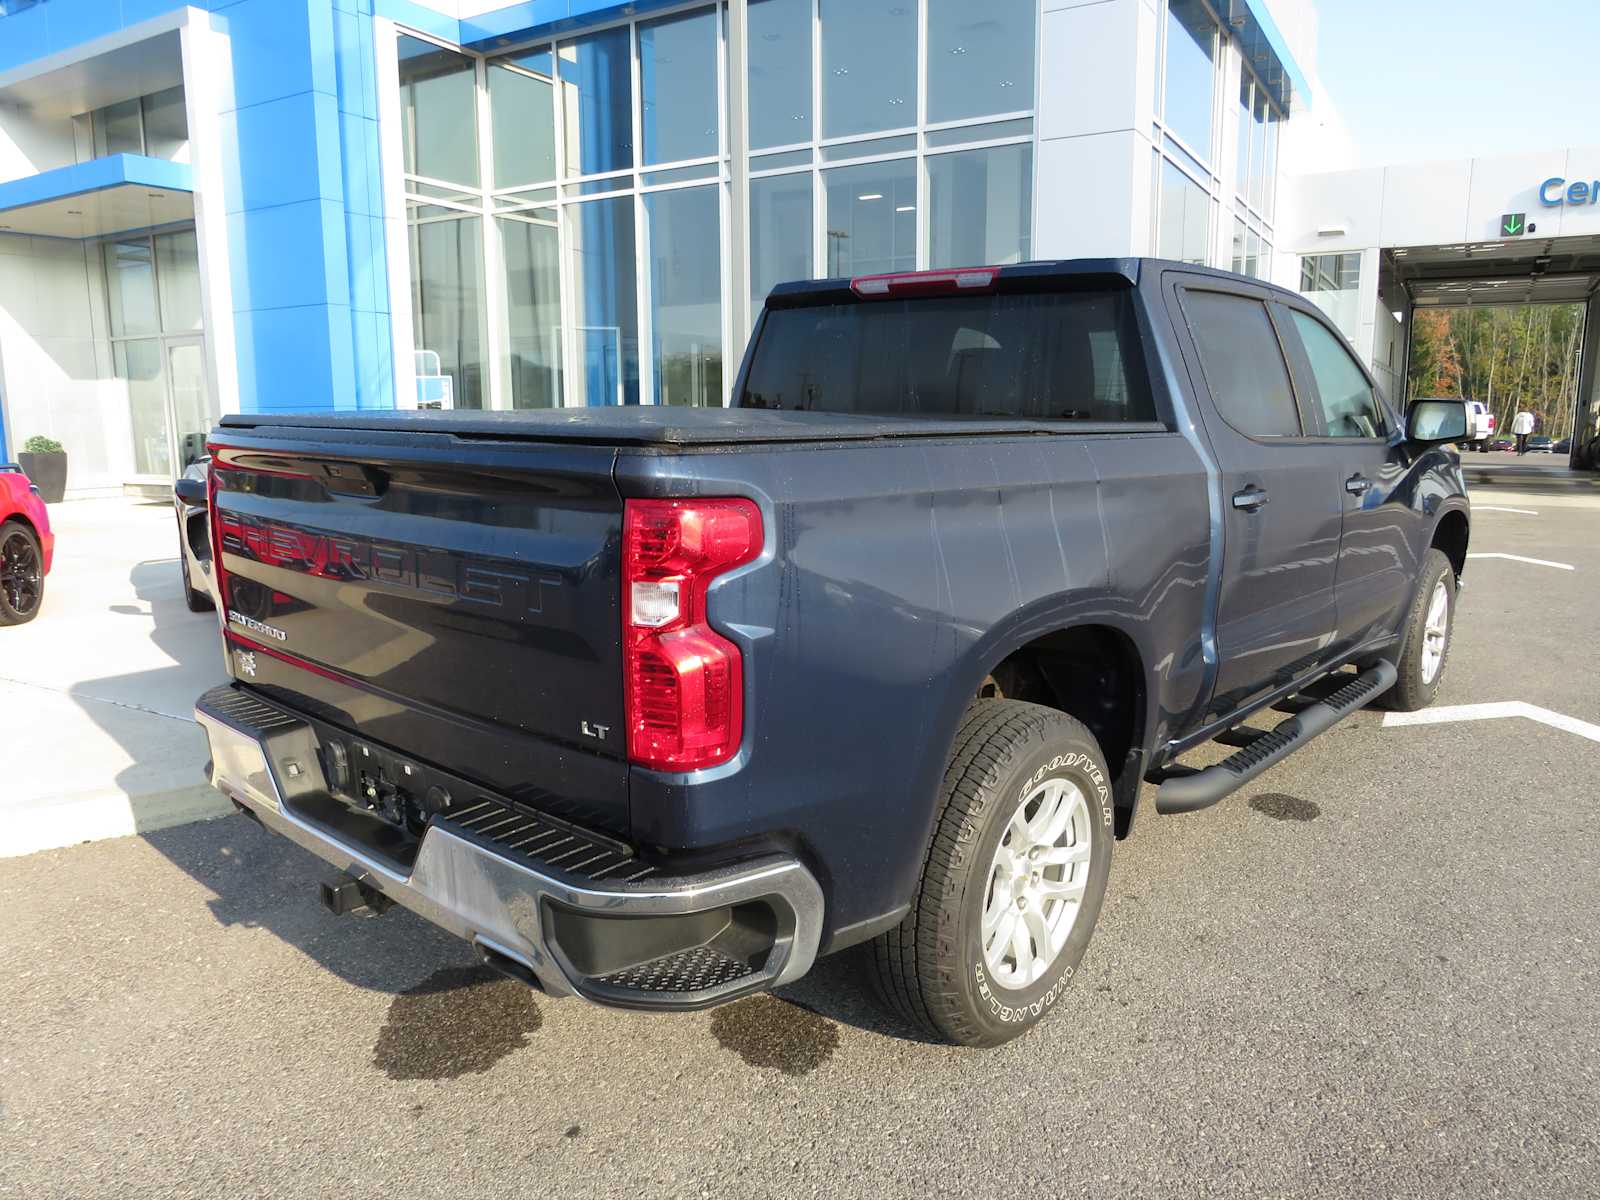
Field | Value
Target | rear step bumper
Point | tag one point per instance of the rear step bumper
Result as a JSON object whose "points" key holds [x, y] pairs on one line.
{"points": [[665, 942], [1191, 792]]}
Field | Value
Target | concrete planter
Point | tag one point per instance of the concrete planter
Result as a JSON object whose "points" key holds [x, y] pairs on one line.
{"points": [[48, 473]]}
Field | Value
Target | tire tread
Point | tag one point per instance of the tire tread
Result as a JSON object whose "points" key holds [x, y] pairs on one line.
{"points": [[909, 969]]}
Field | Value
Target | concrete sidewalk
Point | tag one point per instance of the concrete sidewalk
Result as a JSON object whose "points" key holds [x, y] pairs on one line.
{"points": [[98, 740]]}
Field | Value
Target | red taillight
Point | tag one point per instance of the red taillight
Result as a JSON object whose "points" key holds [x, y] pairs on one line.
{"points": [[925, 283], [684, 682], [214, 528]]}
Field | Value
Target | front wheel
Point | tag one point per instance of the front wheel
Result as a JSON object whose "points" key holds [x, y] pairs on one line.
{"points": [[1425, 637], [21, 574], [1013, 882]]}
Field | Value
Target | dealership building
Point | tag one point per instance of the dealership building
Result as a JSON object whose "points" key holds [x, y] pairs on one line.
{"points": [[279, 205]]}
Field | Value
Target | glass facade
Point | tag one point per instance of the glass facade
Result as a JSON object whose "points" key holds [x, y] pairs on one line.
{"points": [[1184, 181], [1185, 231], [156, 125], [869, 66], [154, 312], [1189, 74], [569, 203], [780, 72], [980, 58], [980, 204], [1206, 207], [1333, 283], [1255, 175]]}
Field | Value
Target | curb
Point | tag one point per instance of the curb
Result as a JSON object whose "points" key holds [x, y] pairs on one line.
{"points": [[54, 822]]}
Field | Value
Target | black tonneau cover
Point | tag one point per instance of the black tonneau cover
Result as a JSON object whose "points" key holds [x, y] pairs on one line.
{"points": [[649, 425]]}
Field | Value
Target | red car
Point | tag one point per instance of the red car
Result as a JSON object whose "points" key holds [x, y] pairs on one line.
{"points": [[26, 547]]}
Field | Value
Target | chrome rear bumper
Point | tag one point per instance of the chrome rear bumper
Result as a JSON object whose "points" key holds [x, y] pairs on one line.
{"points": [[508, 908]]}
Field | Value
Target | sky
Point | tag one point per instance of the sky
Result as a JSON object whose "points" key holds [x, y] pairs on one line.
{"points": [[1433, 79]]}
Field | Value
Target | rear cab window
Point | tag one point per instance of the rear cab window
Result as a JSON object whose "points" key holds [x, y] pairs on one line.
{"points": [[1068, 356]]}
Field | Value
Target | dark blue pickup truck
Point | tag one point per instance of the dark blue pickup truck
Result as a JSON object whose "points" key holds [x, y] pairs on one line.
{"points": [[655, 706]]}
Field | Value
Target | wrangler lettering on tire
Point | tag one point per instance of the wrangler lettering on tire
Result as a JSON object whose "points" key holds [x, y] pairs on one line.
{"points": [[1013, 882]]}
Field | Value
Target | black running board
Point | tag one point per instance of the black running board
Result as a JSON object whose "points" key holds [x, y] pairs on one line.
{"points": [[1182, 793]]}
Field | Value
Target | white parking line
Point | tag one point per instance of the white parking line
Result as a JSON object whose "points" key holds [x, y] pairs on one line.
{"points": [[1538, 562], [1451, 713], [1527, 512]]}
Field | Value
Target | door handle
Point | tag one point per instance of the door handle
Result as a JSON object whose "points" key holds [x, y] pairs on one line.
{"points": [[1357, 484], [1250, 499]]}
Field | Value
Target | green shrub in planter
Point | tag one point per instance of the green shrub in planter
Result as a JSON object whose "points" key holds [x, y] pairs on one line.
{"points": [[44, 462]]}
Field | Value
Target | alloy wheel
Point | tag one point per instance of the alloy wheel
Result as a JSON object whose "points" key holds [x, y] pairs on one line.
{"points": [[1435, 632], [20, 576], [1036, 883]]}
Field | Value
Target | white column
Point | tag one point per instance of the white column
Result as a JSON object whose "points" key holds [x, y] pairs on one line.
{"points": [[738, 266], [397, 247], [208, 89], [1092, 139]]}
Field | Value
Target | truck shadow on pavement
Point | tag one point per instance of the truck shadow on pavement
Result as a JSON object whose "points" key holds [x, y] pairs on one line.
{"points": [[146, 713], [1532, 479]]}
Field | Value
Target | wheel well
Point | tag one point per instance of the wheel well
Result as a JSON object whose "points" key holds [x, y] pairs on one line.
{"points": [[1450, 535], [21, 519], [1092, 673]]}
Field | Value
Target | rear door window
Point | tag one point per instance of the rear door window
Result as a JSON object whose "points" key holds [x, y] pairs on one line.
{"points": [[1243, 363], [1042, 357]]}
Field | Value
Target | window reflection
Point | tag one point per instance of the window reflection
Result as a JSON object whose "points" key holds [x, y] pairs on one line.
{"points": [[980, 57], [139, 364], [869, 65], [1190, 73], [1185, 218], [178, 264], [686, 294], [522, 101], [597, 100], [438, 110], [678, 86], [532, 354], [980, 206], [447, 297], [780, 72], [603, 261], [131, 288], [780, 234], [872, 218]]}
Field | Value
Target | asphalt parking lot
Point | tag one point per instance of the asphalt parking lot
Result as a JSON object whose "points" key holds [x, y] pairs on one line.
{"points": [[1375, 972]]}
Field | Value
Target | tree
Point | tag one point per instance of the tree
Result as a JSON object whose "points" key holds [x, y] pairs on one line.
{"points": [[1509, 357]]}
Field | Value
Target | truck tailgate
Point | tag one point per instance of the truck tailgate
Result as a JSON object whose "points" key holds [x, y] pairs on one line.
{"points": [[453, 598]]}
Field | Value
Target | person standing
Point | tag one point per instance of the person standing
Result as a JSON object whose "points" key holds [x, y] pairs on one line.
{"points": [[1522, 426]]}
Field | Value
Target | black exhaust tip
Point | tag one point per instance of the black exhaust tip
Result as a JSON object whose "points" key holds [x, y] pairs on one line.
{"points": [[510, 967], [246, 811]]}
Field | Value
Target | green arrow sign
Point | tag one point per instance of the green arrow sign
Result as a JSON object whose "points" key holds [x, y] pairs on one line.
{"points": [[1513, 224]]}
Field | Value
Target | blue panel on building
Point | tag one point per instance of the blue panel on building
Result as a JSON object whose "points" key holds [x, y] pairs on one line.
{"points": [[97, 174]]}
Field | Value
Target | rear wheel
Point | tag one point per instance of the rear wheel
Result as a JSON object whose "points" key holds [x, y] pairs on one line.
{"points": [[21, 574], [1013, 882], [1425, 640]]}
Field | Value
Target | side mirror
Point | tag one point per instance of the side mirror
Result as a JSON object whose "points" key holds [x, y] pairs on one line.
{"points": [[1432, 422], [191, 491]]}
